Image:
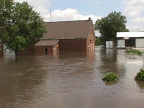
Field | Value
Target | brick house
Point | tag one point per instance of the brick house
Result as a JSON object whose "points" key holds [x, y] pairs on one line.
{"points": [[67, 36]]}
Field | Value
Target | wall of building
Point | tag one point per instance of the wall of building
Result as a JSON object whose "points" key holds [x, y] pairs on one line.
{"points": [[56, 49], [91, 40], [47, 50], [139, 42], [72, 45], [131, 42], [120, 43]]}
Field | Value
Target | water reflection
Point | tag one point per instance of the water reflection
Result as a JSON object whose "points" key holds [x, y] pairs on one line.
{"points": [[110, 83], [19, 78], [110, 61]]}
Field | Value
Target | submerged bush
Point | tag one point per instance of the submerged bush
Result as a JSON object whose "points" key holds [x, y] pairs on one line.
{"points": [[110, 77], [133, 51], [140, 75]]}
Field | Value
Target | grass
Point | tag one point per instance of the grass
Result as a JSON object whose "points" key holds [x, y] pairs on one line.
{"points": [[133, 51], [140, 75], [110, 76]]}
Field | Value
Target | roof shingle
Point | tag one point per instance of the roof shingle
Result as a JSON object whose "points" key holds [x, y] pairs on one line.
{"points": [[67, 29], [47, 43]]}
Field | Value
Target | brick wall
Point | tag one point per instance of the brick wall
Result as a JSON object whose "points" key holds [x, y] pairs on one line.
{"points": [[91, 40], [47, 50], [72, 44], [56, 49], [42, 50]]}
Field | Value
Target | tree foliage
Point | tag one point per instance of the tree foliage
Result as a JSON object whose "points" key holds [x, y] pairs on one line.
{"points": [[110, 25], [21, 26], [6, 7], [98, 41]]}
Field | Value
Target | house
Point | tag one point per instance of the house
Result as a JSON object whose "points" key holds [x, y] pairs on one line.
{"points": [[130, 39], [67, 36]]}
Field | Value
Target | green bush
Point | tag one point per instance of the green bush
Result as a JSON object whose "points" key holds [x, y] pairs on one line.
{"points": [[98, 41], [133, 51], [140, 75], [110, 77]]}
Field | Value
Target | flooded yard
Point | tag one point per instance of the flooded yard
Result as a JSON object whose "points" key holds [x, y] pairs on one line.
{"points": [[71, 80]]}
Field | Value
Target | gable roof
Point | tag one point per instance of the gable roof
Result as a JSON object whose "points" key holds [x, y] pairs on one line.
{"points": [[130, 34], [47, 43], [67, 29]]}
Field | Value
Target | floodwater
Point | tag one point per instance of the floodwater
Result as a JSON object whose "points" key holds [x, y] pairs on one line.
{"points": [[71, 80]]}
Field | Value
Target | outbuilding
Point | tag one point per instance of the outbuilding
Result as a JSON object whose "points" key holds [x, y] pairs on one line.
{"points": [[67, 36], [130, 39], [47, 47]]}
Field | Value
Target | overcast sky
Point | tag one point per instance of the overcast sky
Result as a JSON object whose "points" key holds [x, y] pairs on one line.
{"points": [[65, 10]]}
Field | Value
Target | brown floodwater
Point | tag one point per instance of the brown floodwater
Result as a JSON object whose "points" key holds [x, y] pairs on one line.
{"points": [[71, 80]]}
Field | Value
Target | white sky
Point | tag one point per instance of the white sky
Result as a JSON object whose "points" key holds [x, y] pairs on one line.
{"points": [[83, 9]]}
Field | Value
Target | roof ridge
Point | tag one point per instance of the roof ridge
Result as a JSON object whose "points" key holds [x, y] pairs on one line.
{"points": [[68, 21]]}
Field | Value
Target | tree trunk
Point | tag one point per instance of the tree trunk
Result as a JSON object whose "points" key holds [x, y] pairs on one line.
{"points": [[16, 52]]}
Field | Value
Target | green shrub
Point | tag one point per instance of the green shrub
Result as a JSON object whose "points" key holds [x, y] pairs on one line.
{"points": [[133, 51], [140, 75], [110, 77], [98, 41]]}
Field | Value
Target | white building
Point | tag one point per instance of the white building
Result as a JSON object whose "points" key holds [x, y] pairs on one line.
{"points": [[130, 39]]}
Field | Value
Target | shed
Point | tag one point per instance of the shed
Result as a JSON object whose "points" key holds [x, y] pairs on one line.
{"points": [[50, 47], [130, 39]]}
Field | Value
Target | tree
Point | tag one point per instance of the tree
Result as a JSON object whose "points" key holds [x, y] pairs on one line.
{"points": [[5, 13], [110, 25], [22, 27]]}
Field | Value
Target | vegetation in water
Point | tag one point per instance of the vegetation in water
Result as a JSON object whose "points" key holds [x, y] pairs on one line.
{"points": [[133, 51], [110, 77], [140, 75]]}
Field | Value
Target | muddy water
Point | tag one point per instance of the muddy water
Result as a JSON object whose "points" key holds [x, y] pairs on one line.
{"points": [[70, 80]]}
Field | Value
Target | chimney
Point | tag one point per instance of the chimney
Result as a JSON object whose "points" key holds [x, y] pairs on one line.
{"points": [[89, 18]]}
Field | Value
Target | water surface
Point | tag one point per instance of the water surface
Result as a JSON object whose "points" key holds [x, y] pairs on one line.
{"points": [[71, 80]]}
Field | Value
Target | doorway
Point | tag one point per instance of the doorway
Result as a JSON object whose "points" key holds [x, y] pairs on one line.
{"points": [[130, 42], [46, 51]]}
